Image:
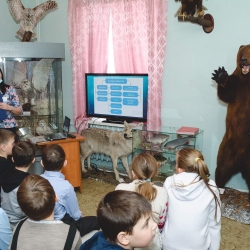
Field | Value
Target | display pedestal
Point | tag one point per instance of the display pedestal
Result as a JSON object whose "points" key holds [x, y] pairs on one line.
{"points": [[72, 170]]}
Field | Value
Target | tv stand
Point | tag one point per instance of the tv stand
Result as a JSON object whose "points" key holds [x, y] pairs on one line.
{"points": [[116, 121], [101, 122]]}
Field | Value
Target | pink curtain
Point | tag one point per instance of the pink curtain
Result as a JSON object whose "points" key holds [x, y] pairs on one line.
{"points": [[88, 36], [139, 37]]}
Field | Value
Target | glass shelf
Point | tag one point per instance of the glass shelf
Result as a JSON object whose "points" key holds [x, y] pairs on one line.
{"points": [[164, 145]]}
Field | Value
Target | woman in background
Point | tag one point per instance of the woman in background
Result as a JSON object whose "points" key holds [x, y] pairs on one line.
{"points": [[9, 106], [144, 168]]}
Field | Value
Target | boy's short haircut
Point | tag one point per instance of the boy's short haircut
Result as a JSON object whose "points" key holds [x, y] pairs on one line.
{"points": [[119, 211], [5, 135], [23, 154], [53, 157], [36, 197]]}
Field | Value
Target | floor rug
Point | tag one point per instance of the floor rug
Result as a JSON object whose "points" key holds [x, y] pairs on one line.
{"points": [[235, 205]]}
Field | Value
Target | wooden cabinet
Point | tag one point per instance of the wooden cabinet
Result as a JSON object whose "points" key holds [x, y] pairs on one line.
{"points": [[72, 170]]}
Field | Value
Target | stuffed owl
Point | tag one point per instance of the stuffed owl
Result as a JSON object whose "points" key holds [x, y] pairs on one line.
{"points": [[42, 128], [28, 92], [39, 80], [29, 17]]}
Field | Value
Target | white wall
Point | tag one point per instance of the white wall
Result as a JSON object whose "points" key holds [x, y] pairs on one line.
{"points": [[189, 94]]}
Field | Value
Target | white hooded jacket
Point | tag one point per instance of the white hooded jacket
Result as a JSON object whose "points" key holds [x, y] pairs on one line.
{"points": [[191, 223]]}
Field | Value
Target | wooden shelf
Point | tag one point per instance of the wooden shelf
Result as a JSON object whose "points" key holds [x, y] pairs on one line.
{"points": [[71, 147]]}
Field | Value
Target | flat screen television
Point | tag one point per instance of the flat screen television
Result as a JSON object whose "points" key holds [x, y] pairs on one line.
{"points": [[117, 97]]}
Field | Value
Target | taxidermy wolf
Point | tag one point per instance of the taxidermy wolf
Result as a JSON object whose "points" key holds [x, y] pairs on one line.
{"points": [[112, 143]]}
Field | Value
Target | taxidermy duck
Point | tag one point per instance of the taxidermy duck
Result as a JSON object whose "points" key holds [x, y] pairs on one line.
{"points": [[29, 17], [190, 8]]}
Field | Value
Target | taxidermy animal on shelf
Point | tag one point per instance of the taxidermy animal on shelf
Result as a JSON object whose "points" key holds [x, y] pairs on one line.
{"points": [[190, 7], [28, 92], [29, 17], [193, 11], [39, 80], [111, 143], [233, 155], [42, 128]]}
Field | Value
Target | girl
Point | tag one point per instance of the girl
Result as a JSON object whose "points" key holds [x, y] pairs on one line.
{"points": [[194, 216], [144, 168]]}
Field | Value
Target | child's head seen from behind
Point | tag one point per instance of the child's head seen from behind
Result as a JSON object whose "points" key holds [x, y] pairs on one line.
{"points": [[23, 154], [144, 167], [125, 218], [53, 158], [36, 197], [192, 161]]}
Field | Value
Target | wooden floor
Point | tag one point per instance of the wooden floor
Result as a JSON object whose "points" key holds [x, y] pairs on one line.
{"points": [[234, 235]]}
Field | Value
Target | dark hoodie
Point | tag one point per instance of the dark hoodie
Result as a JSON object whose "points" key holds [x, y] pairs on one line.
{"points": [[12, 179], [5, 167], [98, 242]]}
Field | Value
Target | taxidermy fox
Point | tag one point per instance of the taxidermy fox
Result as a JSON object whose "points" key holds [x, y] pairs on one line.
{"points": [[112, 143]]}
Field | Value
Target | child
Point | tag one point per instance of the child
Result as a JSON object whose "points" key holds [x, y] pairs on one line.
{"points": [[194, 216], [66, 209], [7, 139], [144, 168], [36, 198], [23, 155], [5, 230], [126, 221]]}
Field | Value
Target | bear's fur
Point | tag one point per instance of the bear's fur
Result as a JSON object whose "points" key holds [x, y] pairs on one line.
{"points": [[234, 150]]}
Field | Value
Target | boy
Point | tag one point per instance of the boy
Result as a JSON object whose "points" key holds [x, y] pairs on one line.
{"points": [[66, 209], [125, 218], [7, 140], [40, 231], [23, 155]]}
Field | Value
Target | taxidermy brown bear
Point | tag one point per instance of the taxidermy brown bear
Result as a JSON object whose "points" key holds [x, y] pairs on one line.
{"points": [[234, 150]]}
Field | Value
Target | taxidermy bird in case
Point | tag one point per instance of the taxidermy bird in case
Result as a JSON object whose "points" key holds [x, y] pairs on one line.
{"points": [[39, 80], [43, 128], [29, 17]]}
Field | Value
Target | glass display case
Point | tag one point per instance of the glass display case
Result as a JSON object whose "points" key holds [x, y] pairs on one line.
{"points": [[164, 145], [35, 71]]}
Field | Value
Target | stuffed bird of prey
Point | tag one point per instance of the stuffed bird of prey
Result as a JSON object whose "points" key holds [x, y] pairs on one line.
{"points": [[29, 17]]}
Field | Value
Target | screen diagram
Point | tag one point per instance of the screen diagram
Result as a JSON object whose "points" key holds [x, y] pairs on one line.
{"points": [[119, 96]]}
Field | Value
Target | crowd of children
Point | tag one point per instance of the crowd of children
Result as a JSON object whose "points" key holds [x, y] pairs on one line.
{"points": [[43, 211]]}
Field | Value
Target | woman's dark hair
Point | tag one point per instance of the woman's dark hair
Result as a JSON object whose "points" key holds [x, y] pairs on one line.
{"points": [[3, 86]]}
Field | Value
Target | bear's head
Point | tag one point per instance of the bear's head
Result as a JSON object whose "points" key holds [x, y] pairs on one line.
{"points": [[243, 60]]}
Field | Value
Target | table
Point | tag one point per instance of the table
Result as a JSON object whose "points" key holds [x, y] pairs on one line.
{"points": [[71, 147]]}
